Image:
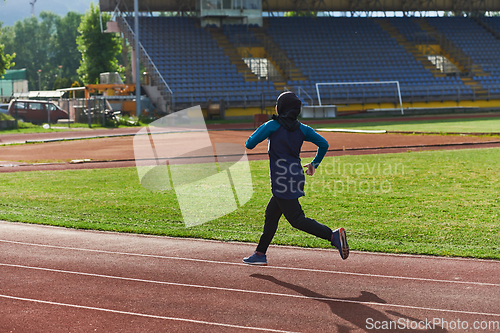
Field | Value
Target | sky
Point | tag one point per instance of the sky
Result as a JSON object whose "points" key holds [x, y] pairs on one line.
{"points": [[12, 11]]}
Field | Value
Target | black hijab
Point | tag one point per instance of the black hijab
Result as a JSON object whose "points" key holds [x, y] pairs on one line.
{"points": [[288, 105]]}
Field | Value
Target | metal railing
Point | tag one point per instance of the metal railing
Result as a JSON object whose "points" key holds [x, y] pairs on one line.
{"points": [[464, 62], [345, 95], [238, 99], [90, 111], [275, 53], [301, 90], [156, 79], [340, 96], [263, 69]]}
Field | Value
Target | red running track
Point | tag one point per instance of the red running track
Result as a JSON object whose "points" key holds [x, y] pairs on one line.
{"points": [[62, 280]]}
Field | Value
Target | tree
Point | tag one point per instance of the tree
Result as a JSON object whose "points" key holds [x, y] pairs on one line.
{"points": [[47, 44], [301, 14], [61, 82], [5, 59], [99, 50], [126, 61], [33, 43], [46, 47], [66, 50]]}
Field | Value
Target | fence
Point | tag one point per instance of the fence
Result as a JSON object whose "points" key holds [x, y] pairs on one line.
{"points": [[87, 111], [234, 99], [155, 75], [263, 69], [353, 95], [340, 96]]}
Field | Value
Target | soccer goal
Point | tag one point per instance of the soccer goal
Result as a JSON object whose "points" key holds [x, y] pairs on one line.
{"points": [[361, 90]]}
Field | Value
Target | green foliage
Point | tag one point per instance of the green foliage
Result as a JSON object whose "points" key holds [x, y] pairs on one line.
{"points": [[5, 59], [4, 116], [66, 50], [61, 82], [47, 44], [301, 14], [129, 121], [33, 43], [21, 126], [99, 50]]}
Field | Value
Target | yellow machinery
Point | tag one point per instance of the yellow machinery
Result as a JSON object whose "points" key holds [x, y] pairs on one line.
{"points": [[111, 89]]}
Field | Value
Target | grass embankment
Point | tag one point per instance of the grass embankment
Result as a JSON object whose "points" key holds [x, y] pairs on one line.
{"points": [[434, 202]]}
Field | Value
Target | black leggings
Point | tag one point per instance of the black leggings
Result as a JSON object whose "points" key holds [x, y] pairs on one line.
{"points": [[295, 215]]}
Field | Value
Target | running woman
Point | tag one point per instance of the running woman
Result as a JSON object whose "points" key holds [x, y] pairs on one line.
{"points": [[285, 135]]}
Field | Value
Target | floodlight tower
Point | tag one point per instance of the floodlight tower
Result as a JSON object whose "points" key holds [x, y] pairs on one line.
{"points": [[33, 7]]}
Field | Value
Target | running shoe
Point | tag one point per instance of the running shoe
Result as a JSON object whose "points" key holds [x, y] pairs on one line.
{"points": [[339, 240], [256, 259]]}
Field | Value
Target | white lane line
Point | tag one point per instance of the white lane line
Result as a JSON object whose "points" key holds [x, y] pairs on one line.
{"points": [[142, 314], [265, 267], [324, 299], [350, 130]]}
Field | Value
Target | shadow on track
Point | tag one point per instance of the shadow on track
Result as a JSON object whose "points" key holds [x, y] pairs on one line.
{"points": [[362, 316]]}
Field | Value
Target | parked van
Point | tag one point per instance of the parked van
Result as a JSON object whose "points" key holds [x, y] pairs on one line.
{"points": [[37, 111], [4, 108]]}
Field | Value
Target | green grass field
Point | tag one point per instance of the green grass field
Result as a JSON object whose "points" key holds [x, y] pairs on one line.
{"points": [[433, 202], [471, 125]]}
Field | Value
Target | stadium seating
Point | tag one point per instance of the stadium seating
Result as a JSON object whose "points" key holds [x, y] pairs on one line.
{"points": [[473, 39], [194, 66], [241, 35], [410, 30], [358, 50], [476, 42], [324, 49]]}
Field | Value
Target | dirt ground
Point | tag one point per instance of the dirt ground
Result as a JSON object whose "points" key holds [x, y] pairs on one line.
{"points": [[119, 151]]}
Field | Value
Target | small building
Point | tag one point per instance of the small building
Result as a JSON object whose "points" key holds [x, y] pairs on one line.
{"points": [[13, 81]]}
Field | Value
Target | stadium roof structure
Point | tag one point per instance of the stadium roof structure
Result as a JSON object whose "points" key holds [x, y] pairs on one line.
{"points": [[456, 6]]}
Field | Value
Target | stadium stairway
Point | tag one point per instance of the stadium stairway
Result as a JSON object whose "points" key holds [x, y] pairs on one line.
{"points": [[202, 65], [488, 25], [159, 94], [276, 57], [232, 53], [425, 41], [341, 51], [409, 47], [156, 97], [472, 67], [477, 87], [287, 68], [449, 49]]}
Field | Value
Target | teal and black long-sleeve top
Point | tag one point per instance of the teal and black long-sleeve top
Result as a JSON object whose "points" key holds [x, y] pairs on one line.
{"points": [[287, 174]]}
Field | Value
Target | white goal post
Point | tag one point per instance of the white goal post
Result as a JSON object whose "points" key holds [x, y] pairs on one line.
{"points": [[360, 83]]}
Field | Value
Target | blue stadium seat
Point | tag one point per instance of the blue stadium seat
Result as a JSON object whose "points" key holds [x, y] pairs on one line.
{"points": [[326, 49]]}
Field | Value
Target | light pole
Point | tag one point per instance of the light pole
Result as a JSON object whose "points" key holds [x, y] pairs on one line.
{"points": [[39, 82], [137, 61]]}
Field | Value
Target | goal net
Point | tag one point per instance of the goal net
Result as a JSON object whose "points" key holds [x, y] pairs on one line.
{"points": [[334, 93]]}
